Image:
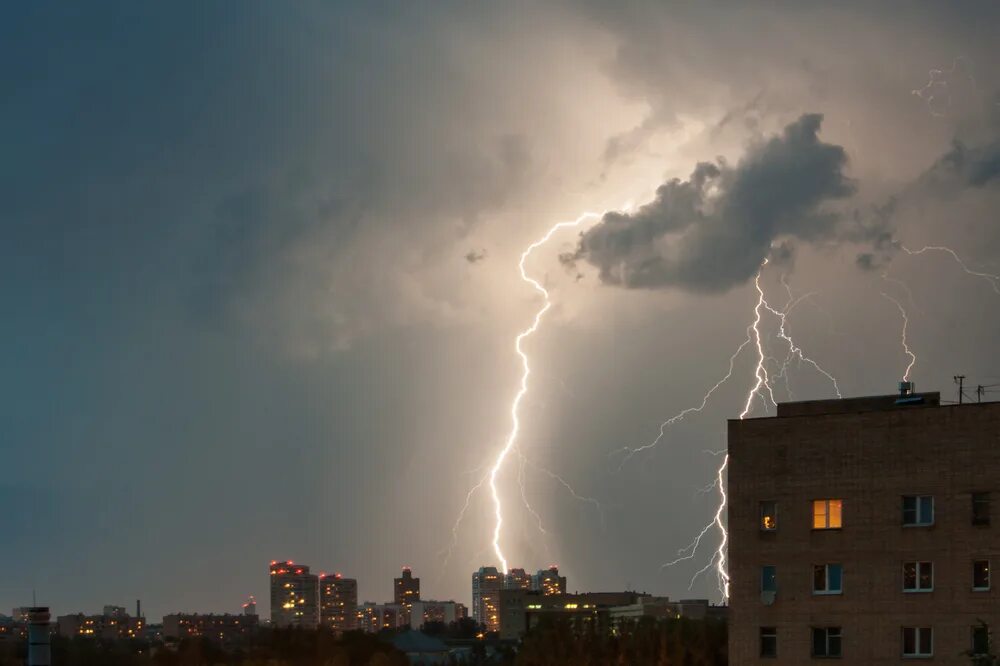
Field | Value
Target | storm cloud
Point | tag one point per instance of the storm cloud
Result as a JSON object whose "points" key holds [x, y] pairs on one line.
{"points": [[712, 231]]}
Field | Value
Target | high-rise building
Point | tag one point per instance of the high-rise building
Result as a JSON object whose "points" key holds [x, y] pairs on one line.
{"points": [[294, 596], [406, 590], [39, 651], [338, 598], [517, 579], [548, 581], [862, 529], [486, 586], [250, 607]]}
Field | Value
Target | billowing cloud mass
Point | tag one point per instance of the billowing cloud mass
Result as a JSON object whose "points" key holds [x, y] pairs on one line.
{"points": [[712, 231]]}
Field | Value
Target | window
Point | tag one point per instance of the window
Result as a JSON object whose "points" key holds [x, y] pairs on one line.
{"points": [[981, 575], [827, 579], [980, 640], [827, 514], [768, 642], [768, 516], [768, 578], [918, 642], [918, 510], [826, 642], [918, 576], [980, 508]]}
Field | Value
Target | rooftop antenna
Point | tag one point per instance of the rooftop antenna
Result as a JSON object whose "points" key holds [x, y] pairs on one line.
{"points": [[960, 380], [980, 390]]}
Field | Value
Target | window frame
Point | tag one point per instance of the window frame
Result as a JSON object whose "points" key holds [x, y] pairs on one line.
{"points": [[762, 515], [827, 635], [981, 499], [774, 570], [918, 633], [827, 591], [917, 578], [827, 503], [768, 633], [972, 648], [918, 511], [989, 582]]}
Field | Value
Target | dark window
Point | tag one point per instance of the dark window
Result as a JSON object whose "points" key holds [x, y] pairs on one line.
{"points": [[768, 578], [918, 642], [981, 575], [980, 508], [980, 639], [826, 642], [918, 510], [768, 642], [827, 579], [768, 516], [918, 576]]}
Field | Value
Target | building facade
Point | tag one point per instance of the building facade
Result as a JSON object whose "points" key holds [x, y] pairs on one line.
{"points": [[405, 590], [486, 586], [522, 609], [114, 624], [517, 579], [861, 529], [373, 617], [218, 628], [338, 598], [445, 612], [549, 581], [294, 596]]}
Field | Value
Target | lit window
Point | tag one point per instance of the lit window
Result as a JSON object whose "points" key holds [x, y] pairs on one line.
{"points": [[828, 579], [768, 642], [768, 516], [918, 576], [768, 578], [981, 575], [826, 642], [918, 510], [980, 508], [918, 642], [980, 640], [827, 514]]}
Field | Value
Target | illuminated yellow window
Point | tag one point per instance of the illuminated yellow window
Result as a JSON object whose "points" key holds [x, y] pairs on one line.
{"points": [[827, 514], [768, 516]]}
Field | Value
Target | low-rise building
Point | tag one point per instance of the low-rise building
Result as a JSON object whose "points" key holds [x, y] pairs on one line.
{"points": [[221, 628], [446, 612], [522, 609], [117, 626]]}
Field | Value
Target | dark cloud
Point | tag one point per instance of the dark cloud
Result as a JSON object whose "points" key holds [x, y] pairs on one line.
{"points": [[475, 256], [712, 231]]}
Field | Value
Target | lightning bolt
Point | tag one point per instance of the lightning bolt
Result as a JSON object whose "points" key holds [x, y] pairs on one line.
{"points": [[994, 280], [515, 428], [906, 346]]}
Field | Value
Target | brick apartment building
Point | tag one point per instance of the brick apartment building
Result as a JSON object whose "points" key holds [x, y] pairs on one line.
{"points": [[861, 529]]}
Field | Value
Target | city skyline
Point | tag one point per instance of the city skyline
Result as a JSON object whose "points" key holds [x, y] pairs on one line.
{"points": [[455, 286]]}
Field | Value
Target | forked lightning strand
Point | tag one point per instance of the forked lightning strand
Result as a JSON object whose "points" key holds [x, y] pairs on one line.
{"points": [[994, 280], [906, 346], [525, 373]]}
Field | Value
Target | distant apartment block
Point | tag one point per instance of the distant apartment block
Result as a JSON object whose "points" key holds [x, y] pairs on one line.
{"points": [[223, 628], [445, 612], [114, 626], [373, 617], [517, 579], [406, 590], [486, 586], [338, 598], [294, 596], [862, 530], [549, 581]]}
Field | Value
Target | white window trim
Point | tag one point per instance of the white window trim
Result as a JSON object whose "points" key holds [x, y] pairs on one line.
{"points": [[933, 511], [916, 644], [989, 576], [918, 590], [828, 591]]}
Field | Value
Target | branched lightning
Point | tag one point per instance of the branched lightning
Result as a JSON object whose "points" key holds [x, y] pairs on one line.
{"points": [[906, 346], [994, 280], [515, 428]]}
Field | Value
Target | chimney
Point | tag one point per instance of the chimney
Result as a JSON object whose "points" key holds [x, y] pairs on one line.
{"points": [[905, 389]]}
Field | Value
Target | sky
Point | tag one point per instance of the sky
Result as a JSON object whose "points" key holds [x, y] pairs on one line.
{"points": [[259, 274]]}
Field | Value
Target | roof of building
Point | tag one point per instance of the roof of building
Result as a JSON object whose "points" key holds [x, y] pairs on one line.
{"points": [[418, 642], [871, 403]]}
